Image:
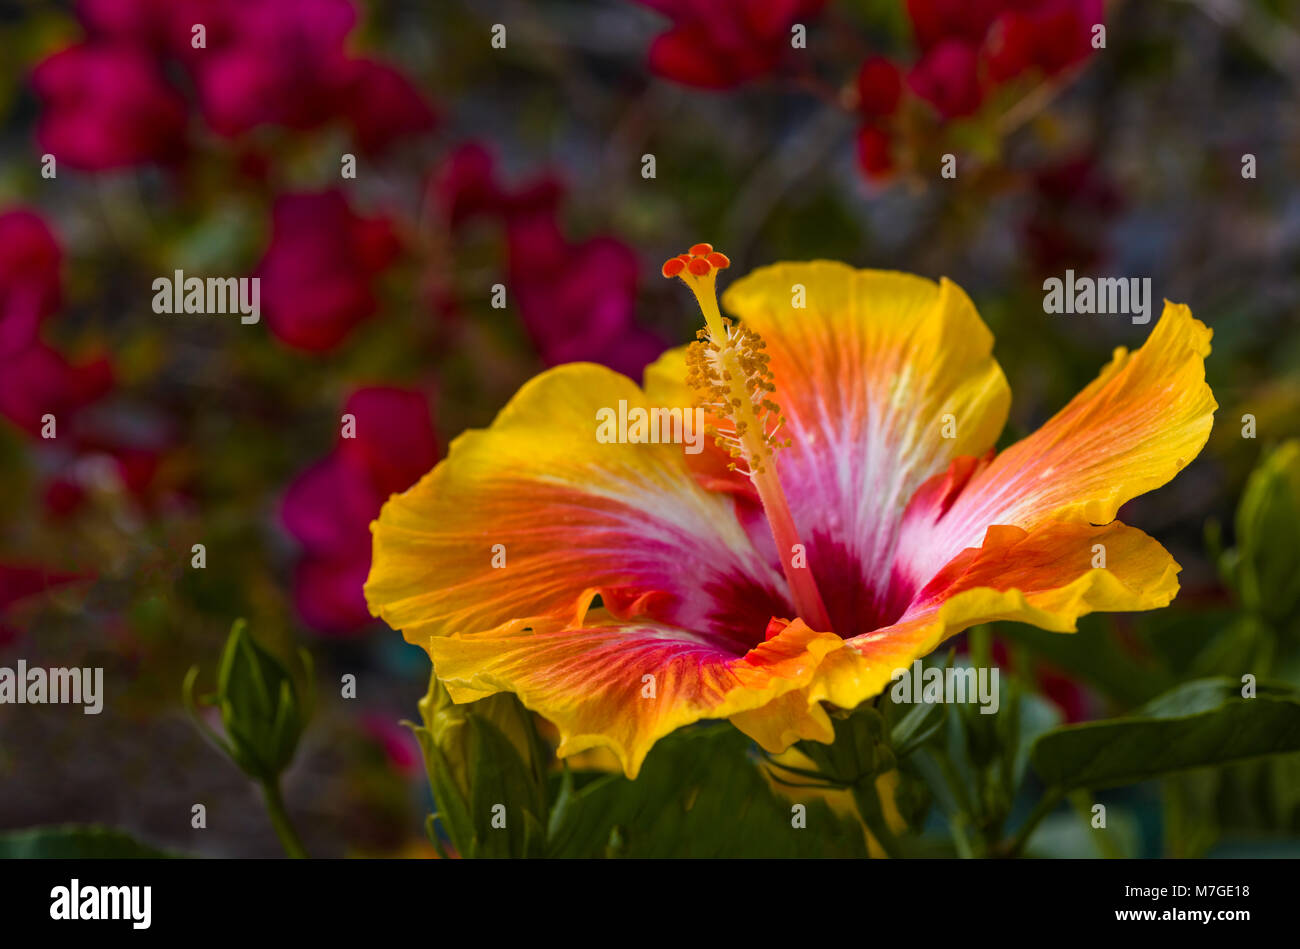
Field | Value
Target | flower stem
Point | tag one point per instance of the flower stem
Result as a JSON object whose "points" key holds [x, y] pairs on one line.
{"points": [[280, 820], [1045, 806]]}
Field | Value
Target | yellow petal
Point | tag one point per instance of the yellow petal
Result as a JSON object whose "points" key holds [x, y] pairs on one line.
{"points": [[1132, 429], [623, 686], [534, 516]]}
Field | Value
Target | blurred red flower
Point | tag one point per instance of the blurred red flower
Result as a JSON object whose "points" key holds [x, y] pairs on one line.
{"points": [[967, 48], [20, 581], [382, 106], [1063, 31], [875, 151], [1010, 36], [1067, 225], [319, 270], [1051, 36], [724, 43], [934, 21], [329, 507], [880, 87], [132, 467]]}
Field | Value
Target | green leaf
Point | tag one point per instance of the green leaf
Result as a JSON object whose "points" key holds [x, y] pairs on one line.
{"points": [[917, 726], [1268, 535], [1037, 717], [453, 812], [700, 794], [75, 841], [1199, 724]]}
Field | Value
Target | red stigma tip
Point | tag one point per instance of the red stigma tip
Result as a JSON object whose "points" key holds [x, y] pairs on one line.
{"points": [[700, 262]]}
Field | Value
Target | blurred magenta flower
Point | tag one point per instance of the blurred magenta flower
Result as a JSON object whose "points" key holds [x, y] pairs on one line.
{"points": [[399, 746], [465, 185], [286, 62], [329, 507], [38, 380], [109, 102], [724, 43], [276, 62], [165, 28], [318, 273], [947, 76], [571, 317], [147, 23], [107, 106], [30, 261]]}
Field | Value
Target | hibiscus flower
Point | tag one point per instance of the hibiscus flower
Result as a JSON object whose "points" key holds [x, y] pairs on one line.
{"points": [[850, 516]]}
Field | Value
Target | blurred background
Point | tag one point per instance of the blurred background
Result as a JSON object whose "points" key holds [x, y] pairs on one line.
{"points": [[503, 143]]}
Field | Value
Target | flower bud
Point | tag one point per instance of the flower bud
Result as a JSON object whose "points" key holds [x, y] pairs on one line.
{"points": [[261, 710], [487, 771]]}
